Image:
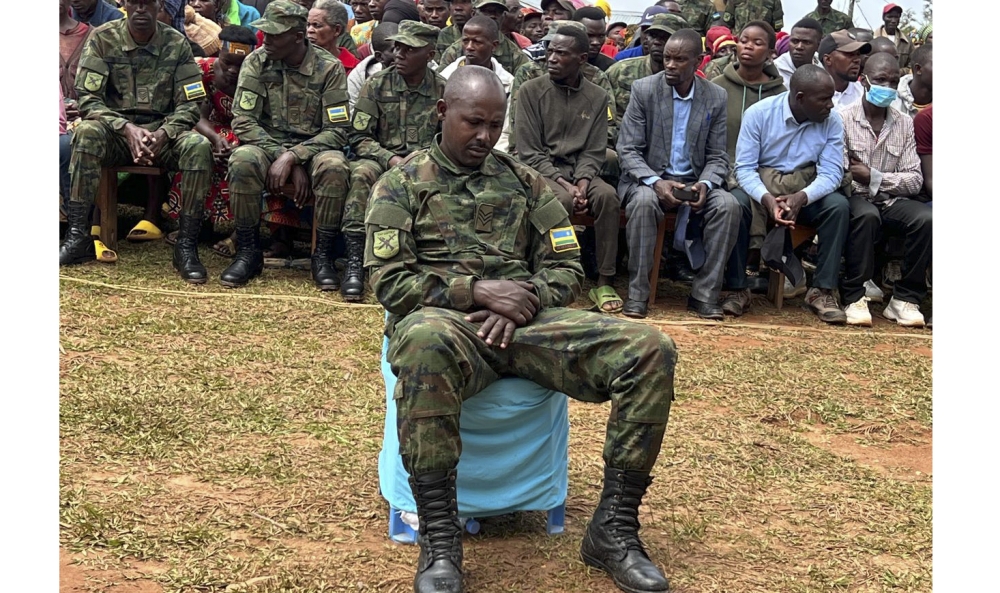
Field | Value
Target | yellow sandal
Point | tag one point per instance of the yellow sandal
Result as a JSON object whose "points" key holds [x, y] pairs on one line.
{"points": [[104, 255], [144, 231]]}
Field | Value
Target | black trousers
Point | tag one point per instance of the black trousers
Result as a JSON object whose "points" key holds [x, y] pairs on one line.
{"points": [[907, 218]]}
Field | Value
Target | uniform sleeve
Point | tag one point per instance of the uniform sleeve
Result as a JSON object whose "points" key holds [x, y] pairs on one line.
{"points": [[591, 159], [92, 86], [614, 120], [189, 92], [248, 107], [777, 16], [555, 259], [364, 123], [399, 282], [336, 116]]}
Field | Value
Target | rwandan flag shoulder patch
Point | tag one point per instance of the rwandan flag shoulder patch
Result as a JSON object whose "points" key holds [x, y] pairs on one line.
{"points": [[337, 114], [195, 90], [563, 239]]}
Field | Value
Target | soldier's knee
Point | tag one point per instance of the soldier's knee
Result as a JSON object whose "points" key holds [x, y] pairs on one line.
{"points": [[331, 166], [365, 172], [90, 137], [194, 152], [245, 160]]}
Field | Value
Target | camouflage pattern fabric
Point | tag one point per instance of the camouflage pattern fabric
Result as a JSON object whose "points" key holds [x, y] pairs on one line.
{"points": [[699, 14], [446, 37], [279, 109], [390, 119], [431, 229], [622, 75], [834, 21], [156, 86], [740, 12], [716, 67]]}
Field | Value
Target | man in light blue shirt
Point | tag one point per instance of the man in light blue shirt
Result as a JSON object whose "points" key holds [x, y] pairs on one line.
{"points": [[789, 157]]}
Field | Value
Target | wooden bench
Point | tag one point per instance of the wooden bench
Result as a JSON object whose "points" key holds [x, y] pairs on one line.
{"points": [[668, 222], [776, 279], [107, 197]]}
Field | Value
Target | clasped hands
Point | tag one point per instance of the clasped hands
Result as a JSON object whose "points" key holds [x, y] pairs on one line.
{"points": [[784, 210], [144, 145], [506, 306]]}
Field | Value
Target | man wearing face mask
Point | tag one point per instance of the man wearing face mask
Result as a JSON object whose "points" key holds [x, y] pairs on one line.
{"points": [[840, 54], [881, 154]]}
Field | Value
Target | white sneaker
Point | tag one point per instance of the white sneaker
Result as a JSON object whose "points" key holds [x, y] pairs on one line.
{"points": [[903, 313], [873, 292], [858, 313], [793, 291]]}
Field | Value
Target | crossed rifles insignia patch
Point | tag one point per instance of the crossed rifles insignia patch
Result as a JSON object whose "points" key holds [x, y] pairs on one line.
{"points": [[385, 243]]}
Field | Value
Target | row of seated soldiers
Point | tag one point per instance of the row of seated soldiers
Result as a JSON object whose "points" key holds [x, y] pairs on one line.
{"points": [[293, 118]]}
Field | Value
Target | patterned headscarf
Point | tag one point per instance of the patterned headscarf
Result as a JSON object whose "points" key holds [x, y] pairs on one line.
{"points": [[924, 32], [175, 8], [782, 46]]}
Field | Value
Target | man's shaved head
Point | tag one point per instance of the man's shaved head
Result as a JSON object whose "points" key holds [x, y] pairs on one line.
{"points": [[883, 45], [471, 114], [807, 78], [880, 61], [471, 83], [810, 94]]}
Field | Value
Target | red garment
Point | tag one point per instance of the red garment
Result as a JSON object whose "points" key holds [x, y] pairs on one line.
{"points": [[70, 49], [348, 60], [701, 67], [217, 201], [365, 50], [610, 50], [521, 40], [923, 130]]}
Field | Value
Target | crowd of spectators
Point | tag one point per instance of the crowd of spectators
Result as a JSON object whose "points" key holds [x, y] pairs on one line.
{"points": [[743, 130]]}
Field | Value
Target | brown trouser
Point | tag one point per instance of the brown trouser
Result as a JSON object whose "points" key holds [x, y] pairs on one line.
{"points": [[605, 206]]}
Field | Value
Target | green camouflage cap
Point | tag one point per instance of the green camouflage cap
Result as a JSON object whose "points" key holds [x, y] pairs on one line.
{"points": [[668, 23], [415, 34], [556, 25], [280, 16], [484, 3]]}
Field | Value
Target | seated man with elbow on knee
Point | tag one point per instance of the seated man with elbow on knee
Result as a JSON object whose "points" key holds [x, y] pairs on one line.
{"points": [[789, 157], [475, 260], [291, 116], [562, 130], [882, 158], [673, 136], [139, 90]]}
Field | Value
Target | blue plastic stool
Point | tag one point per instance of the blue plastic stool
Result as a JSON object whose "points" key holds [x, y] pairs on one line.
{"points": [[515, 452]]}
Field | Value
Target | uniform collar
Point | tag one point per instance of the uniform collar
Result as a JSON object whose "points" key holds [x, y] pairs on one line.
{"points": [[153, 46], [307, 67], [425, 87], [490, 167]]}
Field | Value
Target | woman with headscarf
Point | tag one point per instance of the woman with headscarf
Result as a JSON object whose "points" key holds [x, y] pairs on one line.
{"points": [[925, 34]]}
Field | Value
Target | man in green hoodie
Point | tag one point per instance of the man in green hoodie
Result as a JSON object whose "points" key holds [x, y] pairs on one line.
{"points": [[748, 79]]}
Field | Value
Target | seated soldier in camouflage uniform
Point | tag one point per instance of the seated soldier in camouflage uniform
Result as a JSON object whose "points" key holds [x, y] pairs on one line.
{"points": [[508, 53], [476, 260], [138, 90], [393, 117], [290, 112]]}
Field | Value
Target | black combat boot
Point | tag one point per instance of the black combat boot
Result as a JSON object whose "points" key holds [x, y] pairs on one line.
{"points": [[323, 271], [249, 260], [611, 542], [186, 251], [353, 287], [78, 246], [439, 567]]}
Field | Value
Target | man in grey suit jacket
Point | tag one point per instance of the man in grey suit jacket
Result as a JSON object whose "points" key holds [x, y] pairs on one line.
{"points": [[673, 134]]}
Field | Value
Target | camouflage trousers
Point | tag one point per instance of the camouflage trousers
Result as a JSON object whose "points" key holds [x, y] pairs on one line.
{"points": [[97, 145], [364, 174], [248, 167], [440, 362]]}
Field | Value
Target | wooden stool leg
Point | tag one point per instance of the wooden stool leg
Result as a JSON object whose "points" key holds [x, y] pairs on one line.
{"points": [[313, 249], [654, 274], [776, 288], [107, 201]]}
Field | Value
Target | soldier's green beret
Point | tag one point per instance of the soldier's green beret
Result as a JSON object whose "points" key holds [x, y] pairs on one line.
{"points": [[281, 16], [668, 23], [556, 25], [415, 34]]}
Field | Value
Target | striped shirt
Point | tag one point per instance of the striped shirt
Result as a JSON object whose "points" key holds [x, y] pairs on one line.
{"points": [[891, 156]]}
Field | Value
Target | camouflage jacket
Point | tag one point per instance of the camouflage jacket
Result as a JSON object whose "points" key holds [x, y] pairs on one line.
{"points": [[279, 108], [390, 119], [433, 228], [508, 53], [533, 70], [446, 37], [700, 14], [155, 86], [834, 21], [622, 75], [740, 12], [716, 67]]}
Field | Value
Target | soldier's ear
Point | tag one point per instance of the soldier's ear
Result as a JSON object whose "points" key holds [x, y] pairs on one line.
{"points": [[442, 107]]}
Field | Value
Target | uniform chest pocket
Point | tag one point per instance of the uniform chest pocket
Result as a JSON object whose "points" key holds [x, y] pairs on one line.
{"points": [[304, 111], [450, 222], [123, 82], [274, 90]]}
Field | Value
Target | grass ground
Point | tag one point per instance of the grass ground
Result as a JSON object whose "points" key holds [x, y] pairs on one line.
{"points": [[217, 440]]}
